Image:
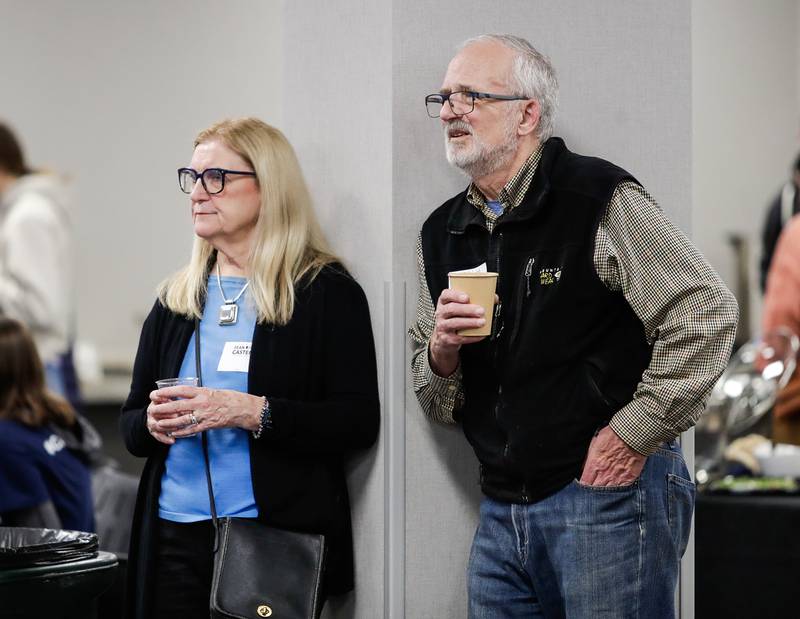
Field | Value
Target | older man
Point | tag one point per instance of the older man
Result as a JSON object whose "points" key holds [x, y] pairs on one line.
{"points": [[609, 332]]}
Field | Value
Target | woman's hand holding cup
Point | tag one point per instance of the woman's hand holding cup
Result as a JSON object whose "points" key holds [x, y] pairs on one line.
{"points": [[184, 410], [169, 390]]}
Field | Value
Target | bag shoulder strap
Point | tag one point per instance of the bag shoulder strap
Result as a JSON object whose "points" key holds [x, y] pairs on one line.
{"points": [[204, 438]]}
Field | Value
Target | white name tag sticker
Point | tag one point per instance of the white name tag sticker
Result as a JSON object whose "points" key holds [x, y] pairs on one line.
{"points": [[235, 357]]}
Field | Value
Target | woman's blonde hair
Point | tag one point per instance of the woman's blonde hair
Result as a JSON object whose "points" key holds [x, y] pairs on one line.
{"points": [[289, 245]]}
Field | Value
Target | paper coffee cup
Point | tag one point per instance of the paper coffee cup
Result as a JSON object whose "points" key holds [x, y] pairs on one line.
{"points": [[480, 287]]}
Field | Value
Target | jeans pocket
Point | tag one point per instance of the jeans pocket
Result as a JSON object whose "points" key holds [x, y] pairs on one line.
{"points": [[603, 489], [680, 505], [606, 506]]}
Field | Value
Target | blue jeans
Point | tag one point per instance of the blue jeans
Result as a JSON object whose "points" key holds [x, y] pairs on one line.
{"points": [[586, 551]]}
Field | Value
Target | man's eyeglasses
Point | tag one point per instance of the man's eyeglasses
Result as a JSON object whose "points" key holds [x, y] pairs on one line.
{"points": [[213, 179], [461, 102]]}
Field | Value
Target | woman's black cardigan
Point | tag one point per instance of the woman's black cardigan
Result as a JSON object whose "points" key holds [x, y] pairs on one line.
{"points": [[319, 374]]}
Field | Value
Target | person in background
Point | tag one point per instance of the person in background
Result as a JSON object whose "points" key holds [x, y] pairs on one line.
{"points": [[289, 375], [782, 309], [608, 336], [45, 449], [35, 261], [785, 205]]}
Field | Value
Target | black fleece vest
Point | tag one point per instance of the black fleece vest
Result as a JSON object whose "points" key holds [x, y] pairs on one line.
{"points": [[566, 353]]}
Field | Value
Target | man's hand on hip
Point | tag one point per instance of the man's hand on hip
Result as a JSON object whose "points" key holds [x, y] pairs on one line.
{"points": [[454, 313], [610, 462]]}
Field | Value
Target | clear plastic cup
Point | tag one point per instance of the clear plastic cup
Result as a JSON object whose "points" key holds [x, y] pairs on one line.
{"points": [[162, 383], [174, 382]]}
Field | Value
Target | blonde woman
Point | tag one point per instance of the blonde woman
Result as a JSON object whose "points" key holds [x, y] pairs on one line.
{"points": [[288, 367]]}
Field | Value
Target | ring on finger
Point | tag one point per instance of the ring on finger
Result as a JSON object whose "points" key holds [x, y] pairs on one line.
{"points": [[169, 434], [194, 419]]}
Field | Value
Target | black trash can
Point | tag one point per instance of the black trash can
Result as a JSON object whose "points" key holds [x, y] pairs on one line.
{"points": [[51, 573]]}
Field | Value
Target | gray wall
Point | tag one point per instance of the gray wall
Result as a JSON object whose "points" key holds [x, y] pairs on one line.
{"points": [[112, 94], [95, 88], [105, 89], [337, 111], [624, 69]]}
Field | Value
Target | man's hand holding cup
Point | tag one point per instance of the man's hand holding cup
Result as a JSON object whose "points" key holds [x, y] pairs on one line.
{"points": [[454, 314]]}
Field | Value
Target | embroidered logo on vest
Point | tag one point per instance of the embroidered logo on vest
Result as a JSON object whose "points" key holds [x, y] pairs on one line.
{"points": [[549, 276]]}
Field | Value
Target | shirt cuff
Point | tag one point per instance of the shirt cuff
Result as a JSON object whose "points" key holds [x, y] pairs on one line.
{"points": [[639, 430], [444, 388]]}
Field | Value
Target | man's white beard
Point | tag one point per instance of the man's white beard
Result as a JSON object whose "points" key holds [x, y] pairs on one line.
{"points": [[478, 159]]}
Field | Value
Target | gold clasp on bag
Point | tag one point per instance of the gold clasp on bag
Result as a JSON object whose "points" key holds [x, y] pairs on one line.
{"points": [[264, 611]]}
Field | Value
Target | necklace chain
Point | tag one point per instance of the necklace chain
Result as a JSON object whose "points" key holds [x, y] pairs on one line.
{"points": [[222, 292]]}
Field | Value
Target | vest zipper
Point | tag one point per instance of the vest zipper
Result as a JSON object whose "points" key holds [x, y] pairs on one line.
{"points": [[499, 247], [495, 250], [528, 273], [526, 280], [497, 310], [497, 417], [497, 406]]}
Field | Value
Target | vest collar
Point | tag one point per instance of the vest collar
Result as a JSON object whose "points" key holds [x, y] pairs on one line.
{"points": [[465, 214]]}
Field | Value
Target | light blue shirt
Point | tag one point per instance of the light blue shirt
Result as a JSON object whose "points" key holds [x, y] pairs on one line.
{"points": [[495, 206], [184, 492]]}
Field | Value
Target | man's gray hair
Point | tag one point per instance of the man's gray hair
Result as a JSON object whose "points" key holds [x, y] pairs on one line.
{"points": [[532, 75]]}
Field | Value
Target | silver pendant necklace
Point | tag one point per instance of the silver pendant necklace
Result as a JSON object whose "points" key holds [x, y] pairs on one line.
{"points": [[229, 311]]}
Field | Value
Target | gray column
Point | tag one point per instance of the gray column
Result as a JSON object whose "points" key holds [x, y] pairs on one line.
{"points": [[624, 70], [337, 104]]}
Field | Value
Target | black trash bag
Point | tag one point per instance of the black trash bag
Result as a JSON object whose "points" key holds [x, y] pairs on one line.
{"points": [[25, 547]]}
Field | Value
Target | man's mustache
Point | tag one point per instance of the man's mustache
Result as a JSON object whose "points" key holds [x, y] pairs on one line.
{"points": [[457, 126]]}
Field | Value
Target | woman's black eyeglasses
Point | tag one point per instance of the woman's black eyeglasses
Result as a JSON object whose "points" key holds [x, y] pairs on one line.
{"points": [[213, 179]]}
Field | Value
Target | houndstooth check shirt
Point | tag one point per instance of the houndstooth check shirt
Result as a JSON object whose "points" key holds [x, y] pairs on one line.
{"points": [[689, 316]]}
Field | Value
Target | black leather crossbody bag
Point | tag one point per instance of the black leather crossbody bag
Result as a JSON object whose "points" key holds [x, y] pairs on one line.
{"points": [[259, 570]]}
